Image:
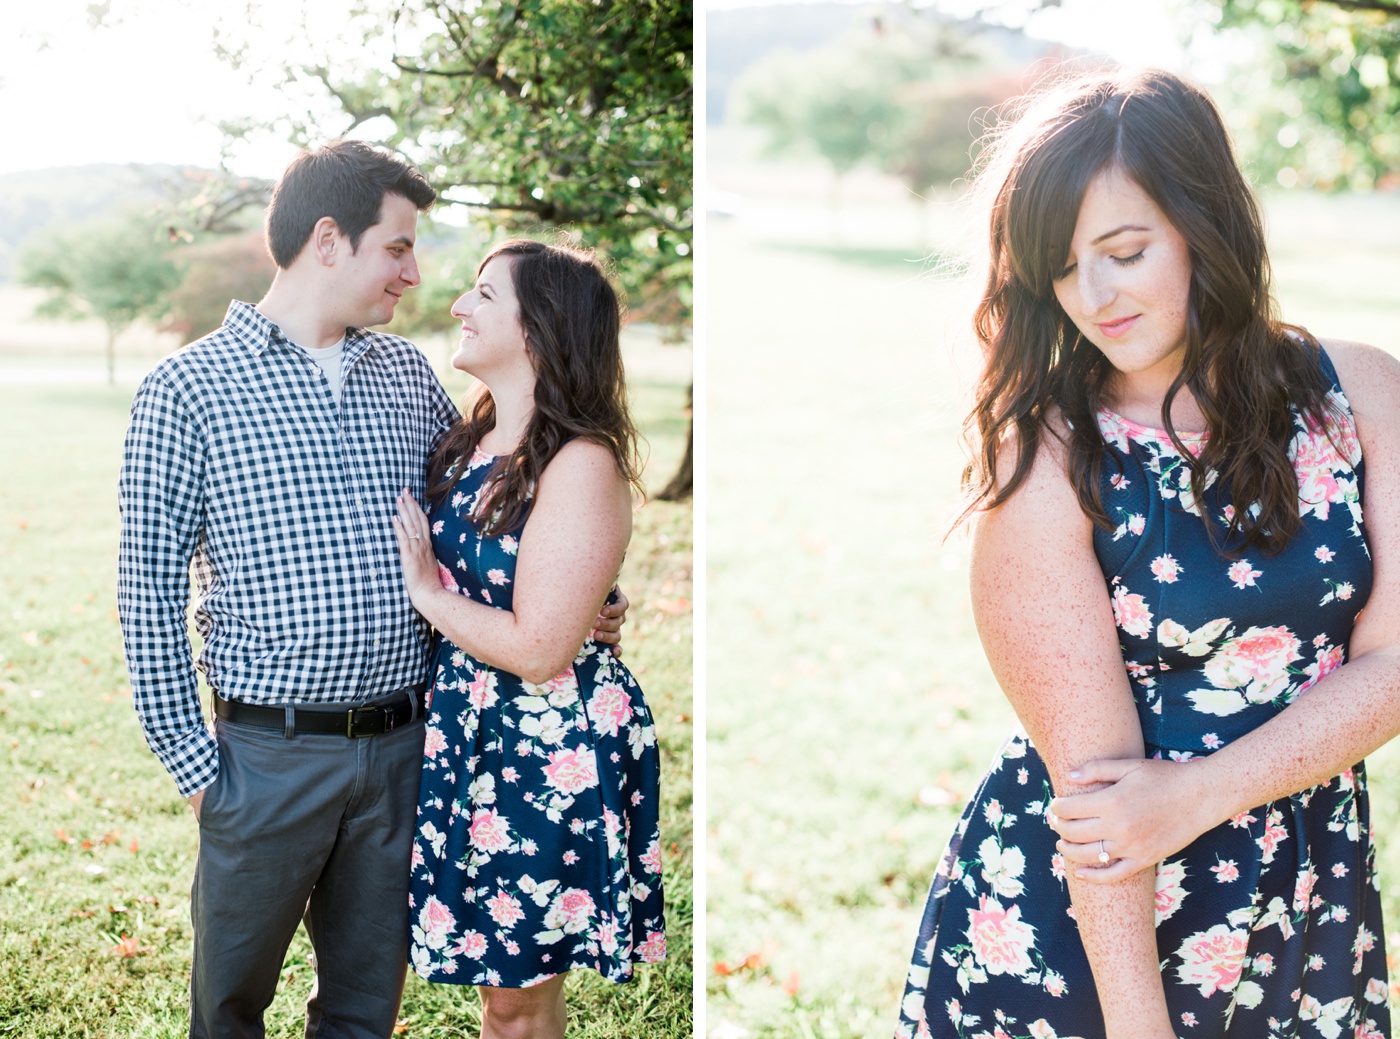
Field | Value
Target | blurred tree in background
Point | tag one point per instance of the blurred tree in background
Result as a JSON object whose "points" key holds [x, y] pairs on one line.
{"points": [[1322, 109], [113, 269]]}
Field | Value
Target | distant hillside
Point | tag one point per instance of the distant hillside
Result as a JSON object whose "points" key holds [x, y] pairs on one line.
{"points": [[737, 38], [37, 199]]}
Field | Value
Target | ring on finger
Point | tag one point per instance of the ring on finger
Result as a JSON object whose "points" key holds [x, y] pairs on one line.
{"points": [[1103, 855]]}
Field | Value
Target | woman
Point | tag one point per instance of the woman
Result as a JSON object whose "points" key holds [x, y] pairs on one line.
{"points": [[1173, 543], [538, 849]]}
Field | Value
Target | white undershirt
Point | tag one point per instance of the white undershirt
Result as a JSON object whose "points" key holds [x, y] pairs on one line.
{"points": [[329, 360]]}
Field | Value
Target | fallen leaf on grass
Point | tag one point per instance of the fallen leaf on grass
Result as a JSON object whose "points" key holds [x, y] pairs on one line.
{"points": [[722, 968], [133, 849], [790, 986], [128, 947], [62, 835], [401, 1028]]}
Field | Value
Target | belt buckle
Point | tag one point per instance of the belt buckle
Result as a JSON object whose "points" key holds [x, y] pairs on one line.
{"points": [[365, 712]]}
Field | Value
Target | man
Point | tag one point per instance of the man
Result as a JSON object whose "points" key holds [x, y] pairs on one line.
{"points": [[270, 453]]}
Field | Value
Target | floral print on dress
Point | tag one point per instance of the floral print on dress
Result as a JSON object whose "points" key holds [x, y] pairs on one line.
{"points": [[538, 847], [1269, 925]]}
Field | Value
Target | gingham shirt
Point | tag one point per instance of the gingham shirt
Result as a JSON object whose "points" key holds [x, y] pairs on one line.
{"points": [[237, 458]]}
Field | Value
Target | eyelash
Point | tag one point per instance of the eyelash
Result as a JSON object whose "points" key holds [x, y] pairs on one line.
{"points": [[1121, 261]]}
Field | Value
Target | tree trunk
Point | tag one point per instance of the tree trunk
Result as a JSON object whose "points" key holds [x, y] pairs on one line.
{"points": [[682, 484]]}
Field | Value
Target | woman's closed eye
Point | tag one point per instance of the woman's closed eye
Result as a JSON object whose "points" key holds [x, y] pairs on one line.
{"points": [[1121, 261]]}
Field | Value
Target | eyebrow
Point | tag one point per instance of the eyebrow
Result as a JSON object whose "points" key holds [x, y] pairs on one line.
{"points": [[1117, 231], [403, 239]]}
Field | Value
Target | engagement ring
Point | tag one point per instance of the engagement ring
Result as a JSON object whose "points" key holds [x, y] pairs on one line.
{"points": [[1103, 854]]}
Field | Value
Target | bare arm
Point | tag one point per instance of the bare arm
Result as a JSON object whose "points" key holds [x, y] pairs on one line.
{"points": [[570, 553], [1155, 808], [1047, 625]]}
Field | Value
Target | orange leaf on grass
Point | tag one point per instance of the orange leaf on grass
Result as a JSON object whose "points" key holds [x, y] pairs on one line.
{"points": [[790, 986], [129, 947], [62, 835], [722, 968]]}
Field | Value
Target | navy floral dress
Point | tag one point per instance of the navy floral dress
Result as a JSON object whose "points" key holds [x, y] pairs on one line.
{"points": [[538, 849], [1268, 925]]}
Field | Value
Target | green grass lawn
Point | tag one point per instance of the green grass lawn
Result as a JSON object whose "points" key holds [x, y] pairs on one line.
{"points": [[850, 709], [98, 849]]}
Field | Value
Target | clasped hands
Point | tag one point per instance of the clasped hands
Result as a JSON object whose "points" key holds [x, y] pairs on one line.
{"points": [[1150, 810]]}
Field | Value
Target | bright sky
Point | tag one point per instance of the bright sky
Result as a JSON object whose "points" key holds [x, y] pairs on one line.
{"points": [[145, 87], [1132, 32]]}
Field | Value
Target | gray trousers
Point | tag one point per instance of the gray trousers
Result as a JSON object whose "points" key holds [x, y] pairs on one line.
{"points": [[311, 827]]}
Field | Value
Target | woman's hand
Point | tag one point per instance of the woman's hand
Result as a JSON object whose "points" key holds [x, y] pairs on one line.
{"points": [[420, 565], [1152, 810]]}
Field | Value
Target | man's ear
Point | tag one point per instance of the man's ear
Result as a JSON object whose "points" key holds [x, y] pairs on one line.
{"points": [[326, 241]]}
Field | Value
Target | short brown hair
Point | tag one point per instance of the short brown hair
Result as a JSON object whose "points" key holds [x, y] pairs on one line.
{"points": [[344, 180]]}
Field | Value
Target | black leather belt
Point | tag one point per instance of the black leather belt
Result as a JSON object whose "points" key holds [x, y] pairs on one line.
{"points": [[354, 722]]}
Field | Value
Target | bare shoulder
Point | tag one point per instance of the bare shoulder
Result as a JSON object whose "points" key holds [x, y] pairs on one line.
{"points": [[1370, 379], [583, 470], [1045, 504]]}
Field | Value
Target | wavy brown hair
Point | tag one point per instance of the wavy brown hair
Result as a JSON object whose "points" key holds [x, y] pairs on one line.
{"points": [[1248, 371], [572, 317]]}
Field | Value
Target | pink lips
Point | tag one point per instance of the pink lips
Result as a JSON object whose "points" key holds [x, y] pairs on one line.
{"points": [[1114, 329]]}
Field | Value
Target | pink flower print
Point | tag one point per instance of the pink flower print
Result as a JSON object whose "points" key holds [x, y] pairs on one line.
{"points": [[486, 596], [512, 948], [1054, 984], [1302, 888], [1188, 1019], [1119, 481], [1327, 661], [1324, 554], [1274, 834], [1136, 523], [436, 922], [570, 857], [1368, 1030], [1256, 659], [1339, 869], [1375, 991], [1339, 913], [1344, 590], [497, 576], [1226, 871], [509, 774], [1211, 741], [1243, 574], [509, 545], [433, 741], [1264, 964], [447, 580], [490, 831], [479, 458], [1170, 891], [653, 950], [1057, 866], [1365, 942], [481, 690], [505, 909], [1001, 942], [1130, 613], [1243, 819], [472, 945], [1212, 959], [572, 771], [1166, 569], [1114, 429], [651, 858], [609, 709], [570, 911], [417, 856], [1316, 462]]}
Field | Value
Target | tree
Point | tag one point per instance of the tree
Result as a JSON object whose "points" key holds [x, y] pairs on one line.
{"points": [[116, 270], [531, 114], [1324, 111], [214, 271]]}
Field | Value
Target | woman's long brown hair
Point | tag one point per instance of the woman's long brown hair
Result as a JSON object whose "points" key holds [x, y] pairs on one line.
{"points": [[1248, 371], [572, 318]]}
